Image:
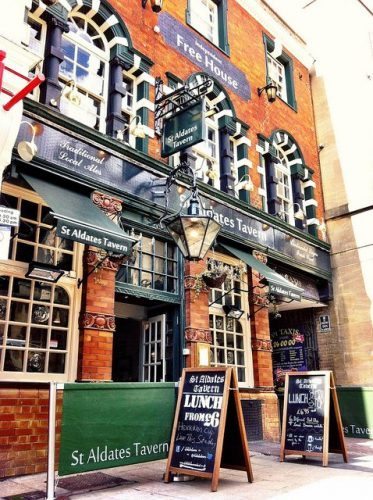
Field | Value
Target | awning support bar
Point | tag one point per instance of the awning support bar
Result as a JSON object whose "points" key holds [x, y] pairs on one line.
{"points": [[82, 280]]}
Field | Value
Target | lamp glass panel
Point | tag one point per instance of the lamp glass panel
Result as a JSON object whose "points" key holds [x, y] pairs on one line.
{"points": [[212, 230], [194, 228], [176, 231]]}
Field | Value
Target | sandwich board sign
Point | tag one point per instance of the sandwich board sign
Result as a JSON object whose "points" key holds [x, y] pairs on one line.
{"points": [[209, 430], [312, 424]]}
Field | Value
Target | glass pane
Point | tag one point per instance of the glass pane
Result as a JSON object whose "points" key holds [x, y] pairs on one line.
{"points": [[68, 48], [171, 268], [45, 255], [159, 265], [38, 337], [2, 330], [61, 296], [60, 317], [27, 231], [67, 69], [21, 288], [159, 248], [16, 335], [219, 322], [219, 339], [230, 340], [29, 210], [146, 245], [47, 236], [40, 314], [10, 201], [24, 253], [58, 340], [13, 360], [19, 312], [3, 308], [230, 357], [240, 358], [56, 363], [147, 262], [171, 285], [241, 374], [35, 362], [42, 292], [64, 261], [146, 280], [4, 284], [230, 323], [159, 282], [239, 342]]}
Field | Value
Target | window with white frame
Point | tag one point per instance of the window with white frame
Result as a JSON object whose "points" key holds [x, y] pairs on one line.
{"points": [[128, 108], [276, 75], [262, 191], [230, 336], [284, 189], [204, 18], [35, 317], [37, 31], [207, 153], [84, 70]]}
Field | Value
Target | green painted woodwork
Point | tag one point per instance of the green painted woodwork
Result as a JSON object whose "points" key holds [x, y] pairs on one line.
{"points": [[114, 424], [356, 405]]}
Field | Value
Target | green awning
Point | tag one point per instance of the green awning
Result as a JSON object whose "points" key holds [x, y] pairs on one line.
{"points": [[79, 219], [277, 284]]}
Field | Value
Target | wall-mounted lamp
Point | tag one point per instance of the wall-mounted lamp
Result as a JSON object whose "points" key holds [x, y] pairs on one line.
{"points": [[27, 150], [135, 127], [232, 311], [271, 91], [156, 5], [44, 272], [245, 183], [298, 214], [193, 233], [70, 92]]}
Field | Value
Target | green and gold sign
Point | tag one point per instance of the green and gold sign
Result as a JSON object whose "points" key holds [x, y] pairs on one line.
{"points": [[183, 129], [110, 425]]}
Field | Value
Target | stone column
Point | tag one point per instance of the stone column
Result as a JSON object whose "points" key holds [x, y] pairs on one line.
{"points": [[97, 318]]}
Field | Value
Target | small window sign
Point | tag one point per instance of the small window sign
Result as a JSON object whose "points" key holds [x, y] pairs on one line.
{"points": [[325, 323], [9, 216]]}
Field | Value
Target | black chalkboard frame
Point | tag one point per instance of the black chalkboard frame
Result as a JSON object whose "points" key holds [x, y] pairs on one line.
{"points": [[230, 393], [331, 409]]}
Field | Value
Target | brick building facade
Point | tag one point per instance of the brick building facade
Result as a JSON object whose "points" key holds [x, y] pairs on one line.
{"points": [[143, 316]]}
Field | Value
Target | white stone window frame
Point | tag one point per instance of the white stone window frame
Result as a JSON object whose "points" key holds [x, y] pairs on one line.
{"points": [[129, 111], [205, 19], [68, 282], [80, 112], [216, 309], [205, 159], [277, 75]]}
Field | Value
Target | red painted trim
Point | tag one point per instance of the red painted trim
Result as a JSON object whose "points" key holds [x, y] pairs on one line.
{"points": [[37, 80]]}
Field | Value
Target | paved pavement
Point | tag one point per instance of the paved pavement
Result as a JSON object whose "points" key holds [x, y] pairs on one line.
{"points": [[294, 479]]}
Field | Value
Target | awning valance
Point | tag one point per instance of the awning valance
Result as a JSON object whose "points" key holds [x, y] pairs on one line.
{"points": [[79, 219], [277, 284]]}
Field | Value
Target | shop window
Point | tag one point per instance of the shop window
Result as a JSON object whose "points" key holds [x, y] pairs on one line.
{"points": [[35, 320], [36, 238], [84, 71], [154, 265], [209, 17], [230, 336], [280, 71]]}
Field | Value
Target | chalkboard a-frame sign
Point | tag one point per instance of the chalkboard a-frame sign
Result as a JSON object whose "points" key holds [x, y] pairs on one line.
{"points": [[208, 431], [311, 423]]}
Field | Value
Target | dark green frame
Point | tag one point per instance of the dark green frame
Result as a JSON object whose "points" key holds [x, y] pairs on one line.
{"points": [[286, 60]]}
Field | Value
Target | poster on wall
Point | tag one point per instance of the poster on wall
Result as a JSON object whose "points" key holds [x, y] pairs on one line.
{"points": [[288, 354]]}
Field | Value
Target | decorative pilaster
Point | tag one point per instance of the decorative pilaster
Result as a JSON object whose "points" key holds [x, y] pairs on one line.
{"points": [[51, 89], [117, 90], [272, 181], [227, 180]]}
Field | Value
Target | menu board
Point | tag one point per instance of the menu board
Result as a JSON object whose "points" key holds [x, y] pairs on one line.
{"points": [[199, 420], [208, 429], [312, 423], [305, 413]]}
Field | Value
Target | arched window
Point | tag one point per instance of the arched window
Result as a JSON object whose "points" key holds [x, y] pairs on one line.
{"points": [[284, 191], [84, 73]]}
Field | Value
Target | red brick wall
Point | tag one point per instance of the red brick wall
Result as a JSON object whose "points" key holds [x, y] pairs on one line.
{"points": [[24, 428]]}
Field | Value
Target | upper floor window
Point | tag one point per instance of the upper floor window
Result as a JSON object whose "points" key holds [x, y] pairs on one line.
{"points": [[128, 108], [84, 71], [284, 191], [280, 71], [207, 155], [209, 17]]}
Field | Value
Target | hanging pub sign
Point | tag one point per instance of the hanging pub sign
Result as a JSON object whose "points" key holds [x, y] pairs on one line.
{"points": [[183, 129], [311, 424], [209, 431]]}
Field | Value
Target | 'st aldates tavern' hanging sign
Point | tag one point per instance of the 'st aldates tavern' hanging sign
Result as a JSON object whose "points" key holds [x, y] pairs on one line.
{"points": [[203, 55], [183, 130]]}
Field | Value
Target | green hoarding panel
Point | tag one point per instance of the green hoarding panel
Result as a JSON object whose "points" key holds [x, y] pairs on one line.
{"points": [[110, 425], [356, 405]]}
